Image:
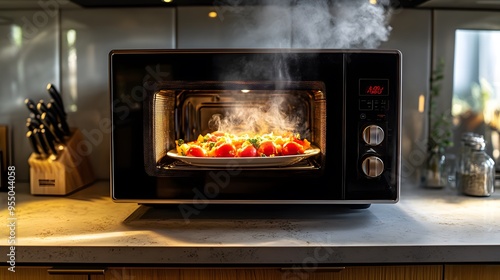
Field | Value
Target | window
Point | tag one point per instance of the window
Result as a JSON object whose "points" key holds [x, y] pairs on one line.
{"points": [[476, 83]]}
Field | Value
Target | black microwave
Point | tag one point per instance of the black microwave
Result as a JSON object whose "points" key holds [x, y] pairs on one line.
{"points": [[344, 104]]}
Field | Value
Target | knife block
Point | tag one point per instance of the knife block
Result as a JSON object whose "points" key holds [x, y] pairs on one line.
{"points": [[68, 172]]}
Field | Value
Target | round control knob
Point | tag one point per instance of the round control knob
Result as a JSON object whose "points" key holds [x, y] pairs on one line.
{"points": [[373, 135], [372, 166]]}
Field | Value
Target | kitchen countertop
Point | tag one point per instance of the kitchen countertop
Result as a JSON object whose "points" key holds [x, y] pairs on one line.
{"points": [[425, 226]]}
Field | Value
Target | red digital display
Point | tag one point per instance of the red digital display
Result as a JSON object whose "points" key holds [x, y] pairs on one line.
{"points": [[375, 90], [373, 87]]}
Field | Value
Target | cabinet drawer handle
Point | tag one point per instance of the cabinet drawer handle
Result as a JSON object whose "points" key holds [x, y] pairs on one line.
{"points": [[314, 269], [75, 271]]}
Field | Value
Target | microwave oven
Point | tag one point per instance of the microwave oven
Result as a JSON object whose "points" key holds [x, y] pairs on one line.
{"points": [[345, 103]]}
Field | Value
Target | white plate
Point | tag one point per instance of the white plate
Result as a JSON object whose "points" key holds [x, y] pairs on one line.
{"points": [[243, 161]]}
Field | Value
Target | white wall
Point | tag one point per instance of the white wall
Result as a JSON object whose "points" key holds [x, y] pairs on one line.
{"points": [[29, 59]]}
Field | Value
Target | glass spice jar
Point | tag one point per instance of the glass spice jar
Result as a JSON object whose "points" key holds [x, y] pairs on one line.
{"points": [[477, 176], [464, 155]]}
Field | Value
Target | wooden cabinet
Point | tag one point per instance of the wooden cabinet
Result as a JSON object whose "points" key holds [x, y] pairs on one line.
{"points": [[35, 273], [407, 272], [471, 272], [373, 272]]}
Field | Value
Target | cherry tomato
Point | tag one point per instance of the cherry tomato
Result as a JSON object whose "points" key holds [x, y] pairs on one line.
{"points": [[225, 150], [196, 151], [292, 148], [267, 148], [299, 141], [248, 151]]}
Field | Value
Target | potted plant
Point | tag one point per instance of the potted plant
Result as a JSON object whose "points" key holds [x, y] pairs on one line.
{"points": [[440, 133]]}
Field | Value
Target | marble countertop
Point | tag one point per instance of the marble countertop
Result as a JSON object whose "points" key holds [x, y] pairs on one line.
{"points": [[425, 226]]}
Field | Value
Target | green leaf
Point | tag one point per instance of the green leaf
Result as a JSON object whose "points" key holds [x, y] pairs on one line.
{"points": [[440, 123]]}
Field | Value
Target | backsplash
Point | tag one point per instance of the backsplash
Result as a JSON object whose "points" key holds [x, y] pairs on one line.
{"points": [[69, 48]]}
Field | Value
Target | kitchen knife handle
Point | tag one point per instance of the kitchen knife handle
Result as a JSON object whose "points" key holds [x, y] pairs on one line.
{"points": [[41, 106], [52, 107], [30, 126], [33, 142], [40, 141], [32, 123], [49, 118], [31, 105], [33, 116], [49, 140], [54, 93], [52, 125]]}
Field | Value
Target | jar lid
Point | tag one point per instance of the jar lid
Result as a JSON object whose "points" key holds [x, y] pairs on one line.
{"points": [[467, 136], [476, 143]]}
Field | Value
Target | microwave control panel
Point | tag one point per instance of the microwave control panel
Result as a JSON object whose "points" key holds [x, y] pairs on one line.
{"points": [[372, 99]]}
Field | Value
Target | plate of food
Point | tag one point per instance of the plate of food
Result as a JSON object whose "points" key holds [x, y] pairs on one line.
{"points": [[219, 149]]}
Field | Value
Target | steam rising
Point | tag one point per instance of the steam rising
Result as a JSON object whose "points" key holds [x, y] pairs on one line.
{"points": [[344, 24], [259, 120], [334, 24], [302, 24]]}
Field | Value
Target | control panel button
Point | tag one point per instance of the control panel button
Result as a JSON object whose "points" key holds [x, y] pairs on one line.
{"points": [[372, 166], [373, 135], [380, 105], [365, 105]]}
